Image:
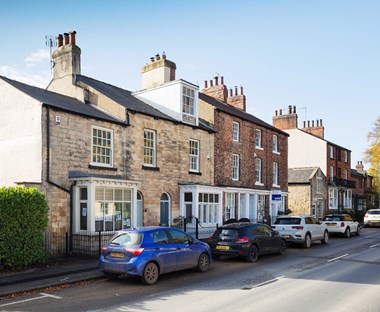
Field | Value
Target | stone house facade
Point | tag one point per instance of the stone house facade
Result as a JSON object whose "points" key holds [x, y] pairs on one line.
{"points": [[307, 191], [309, 148]]}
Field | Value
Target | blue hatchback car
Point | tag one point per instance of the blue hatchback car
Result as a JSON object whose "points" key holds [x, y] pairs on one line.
{"points": [[151, 251]]}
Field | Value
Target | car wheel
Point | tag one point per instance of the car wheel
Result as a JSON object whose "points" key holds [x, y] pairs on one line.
{"points": [[307, 242], [111, 275], [150, 274], [253, 254], [283, 248], [203, 263], [358, 231], [325, 238], [347, 232]]}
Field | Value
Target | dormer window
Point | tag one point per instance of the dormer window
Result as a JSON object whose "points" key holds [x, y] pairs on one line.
{"points": [[188, 105]]}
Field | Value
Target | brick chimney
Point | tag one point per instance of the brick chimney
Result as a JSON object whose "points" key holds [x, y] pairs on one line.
{"points": [[316, 128], [237, 100], [66, 58], [287, 121], [359, 167], [216, 90], [157, 72]]}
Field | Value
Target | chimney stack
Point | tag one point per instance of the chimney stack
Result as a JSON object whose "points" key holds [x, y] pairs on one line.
{"points": [[237, 100], [359, 167], [287, 121], [159, 71], [316, 128], [217, 91]]}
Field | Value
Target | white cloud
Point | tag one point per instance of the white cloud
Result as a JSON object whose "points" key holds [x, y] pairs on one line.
{"points": [[37, 57], [32, 78]]}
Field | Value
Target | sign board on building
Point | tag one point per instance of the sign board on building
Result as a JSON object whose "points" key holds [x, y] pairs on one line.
{"points": [[275, 195]]}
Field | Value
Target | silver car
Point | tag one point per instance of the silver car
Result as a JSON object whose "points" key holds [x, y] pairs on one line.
{"points": [[372, 217]]}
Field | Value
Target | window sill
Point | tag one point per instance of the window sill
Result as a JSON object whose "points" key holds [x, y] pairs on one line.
{"points": [[259, 148], [276, 185], [259, 183], [150, 168], [277, 153], [195, 172], [98, 167]]}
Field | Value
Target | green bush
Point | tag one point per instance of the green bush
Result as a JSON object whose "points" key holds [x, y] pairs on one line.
{"points": [[23, 219]]}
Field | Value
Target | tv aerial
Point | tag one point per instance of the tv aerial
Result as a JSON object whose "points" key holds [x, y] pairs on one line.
{"points": [[51, 42]]}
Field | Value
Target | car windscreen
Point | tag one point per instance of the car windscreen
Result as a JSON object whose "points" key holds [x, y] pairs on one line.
{"points": [[227, 233], [288, 221], [332, 218], [127, 239], [374, 212]]}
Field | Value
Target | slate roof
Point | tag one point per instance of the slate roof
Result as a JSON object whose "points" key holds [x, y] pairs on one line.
{"points": [[301, 175], [62, 102], [231, 110], [133, 104]]}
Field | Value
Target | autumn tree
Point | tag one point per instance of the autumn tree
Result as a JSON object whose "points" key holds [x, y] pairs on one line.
{"points": [[372, 155]]}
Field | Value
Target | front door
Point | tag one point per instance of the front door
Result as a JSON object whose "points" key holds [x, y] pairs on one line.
{"points": [[164, 209], [139, 220]]}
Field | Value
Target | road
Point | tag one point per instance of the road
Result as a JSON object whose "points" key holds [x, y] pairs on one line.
{"points": [[343, 275]]}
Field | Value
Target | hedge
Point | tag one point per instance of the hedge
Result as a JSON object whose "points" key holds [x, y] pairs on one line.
{"points": [[23, 219]]}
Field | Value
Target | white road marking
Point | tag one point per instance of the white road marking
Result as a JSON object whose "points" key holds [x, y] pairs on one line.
{"points": [[374, 245], [337, 258], [268, 282], [42, 296]]}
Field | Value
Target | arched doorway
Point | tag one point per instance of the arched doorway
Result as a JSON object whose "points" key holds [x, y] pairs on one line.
{"points": [[140, 210], [164, 209]]}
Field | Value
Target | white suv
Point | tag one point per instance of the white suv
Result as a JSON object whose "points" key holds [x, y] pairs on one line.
{"points": [[301, 229], [372, 217]]}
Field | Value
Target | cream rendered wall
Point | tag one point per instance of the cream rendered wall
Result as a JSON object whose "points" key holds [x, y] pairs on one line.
{"points": [[65, 86], [21, 137], [306, 150]]}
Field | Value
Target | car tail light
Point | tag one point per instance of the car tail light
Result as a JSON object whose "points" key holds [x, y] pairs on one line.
{"points": [[242, 240], [273, 227], [342, 224], [134, 251], [210, 238], [105, 248], [297, 227]]}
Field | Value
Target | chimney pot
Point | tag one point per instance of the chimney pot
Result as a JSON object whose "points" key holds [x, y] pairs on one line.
{"points": [[72, 37], [276, 112], [157, 56], [236, 90], [230, 92], [290, 109], [60, 40], [205, 84], [222, 80], [241, 91], [294, 109], [308, 123], [312, 123], [317, 123], [216, 80], [280, 112], [304, 124], [66, 38], [321, 122], [163, 55], [152, 59]]}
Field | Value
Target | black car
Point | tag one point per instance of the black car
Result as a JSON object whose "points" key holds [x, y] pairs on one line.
{"points": [[245, 239]]}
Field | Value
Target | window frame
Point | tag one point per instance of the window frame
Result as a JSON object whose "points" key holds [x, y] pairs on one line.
{"points": [[258, 139], [235, 167], [331, 148], [103, 148], [258, 171], [235, 131], [152, 149], [275, 173], [194, 158], [275, 144]]}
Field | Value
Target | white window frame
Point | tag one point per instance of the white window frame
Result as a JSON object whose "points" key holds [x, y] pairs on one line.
{"points": [[150, 148], [347, 201], [235, 167], [258, 141], [230, 206], [275, 173], [258, 171], [319, 188], [333, 198], [102, 150], [208, 207], [194, 152], [331, 174], [235, 131], [331, 152], [345, 156], [189, 103], [275, 144]]}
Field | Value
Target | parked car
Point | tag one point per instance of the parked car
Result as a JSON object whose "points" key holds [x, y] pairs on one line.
{"points": [[301, 230], [245, 239], [148, 252], [372, 217], [342, 224]]}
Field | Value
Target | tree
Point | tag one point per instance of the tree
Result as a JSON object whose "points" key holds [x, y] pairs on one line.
{"points": [[372, 154]]}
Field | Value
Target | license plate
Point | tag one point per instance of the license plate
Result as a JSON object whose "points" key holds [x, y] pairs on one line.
{"points": [[330, 224], [286, 236], [222, 247], [117, 254]]}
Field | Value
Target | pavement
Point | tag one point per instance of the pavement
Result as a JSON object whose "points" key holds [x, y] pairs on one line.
{"points": [[68, 272]]}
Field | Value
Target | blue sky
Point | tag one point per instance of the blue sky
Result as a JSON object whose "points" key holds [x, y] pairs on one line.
{"points": [[321, 55]]}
